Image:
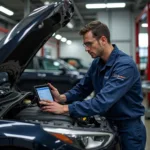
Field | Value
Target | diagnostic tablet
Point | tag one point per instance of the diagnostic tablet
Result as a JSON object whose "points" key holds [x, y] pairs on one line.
{"points": [[43, 92]]}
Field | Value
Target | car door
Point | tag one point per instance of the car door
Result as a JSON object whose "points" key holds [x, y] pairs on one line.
{"points": [[51, 70], [42, 70]]}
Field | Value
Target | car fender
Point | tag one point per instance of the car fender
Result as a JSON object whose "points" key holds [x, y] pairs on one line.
{"points": [[26, 135]]}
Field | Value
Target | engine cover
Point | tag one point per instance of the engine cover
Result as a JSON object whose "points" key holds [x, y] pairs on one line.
{"points": [[35, 114]]}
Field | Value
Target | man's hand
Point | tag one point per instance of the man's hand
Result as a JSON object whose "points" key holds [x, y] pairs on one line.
{"points": [[57, 96], [53, 107]]}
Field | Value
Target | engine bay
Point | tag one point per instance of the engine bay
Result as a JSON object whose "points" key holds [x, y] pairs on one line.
{"points": [[22, 106]]}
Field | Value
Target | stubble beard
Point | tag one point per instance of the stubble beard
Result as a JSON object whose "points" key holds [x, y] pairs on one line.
{"points": [[100, 52]]}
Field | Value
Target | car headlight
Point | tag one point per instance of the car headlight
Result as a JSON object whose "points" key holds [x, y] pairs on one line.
{"points": [[82, 139]]}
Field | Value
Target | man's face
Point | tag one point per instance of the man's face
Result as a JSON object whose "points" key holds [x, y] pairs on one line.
{"points": [[92, 45]]}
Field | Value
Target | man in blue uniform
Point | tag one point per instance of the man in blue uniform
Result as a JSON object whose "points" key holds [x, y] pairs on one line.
{"points": [[114, 78]]}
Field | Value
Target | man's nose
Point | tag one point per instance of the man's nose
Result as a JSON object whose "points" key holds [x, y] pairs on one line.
{"points": [[87, 48]]}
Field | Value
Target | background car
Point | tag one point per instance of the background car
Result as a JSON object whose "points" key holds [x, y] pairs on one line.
{"points": [[42, 70], [77, 63]]}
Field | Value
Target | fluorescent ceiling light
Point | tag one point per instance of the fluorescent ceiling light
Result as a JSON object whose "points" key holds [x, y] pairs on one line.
{"points": [[103, 5], [70, 25], [115, 5], [95, 6], [6, 11], [58, 37], [69, 42], [144, 25], [63, 39]]}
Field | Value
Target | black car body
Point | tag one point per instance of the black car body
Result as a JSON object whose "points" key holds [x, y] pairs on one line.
{"points": [[43, 70], [23, 126]]}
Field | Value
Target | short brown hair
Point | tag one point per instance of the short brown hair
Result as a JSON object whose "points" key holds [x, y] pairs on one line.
{"points": [[98, 29]]}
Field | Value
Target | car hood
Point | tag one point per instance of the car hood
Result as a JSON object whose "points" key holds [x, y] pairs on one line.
{"points": [[20, 45]]}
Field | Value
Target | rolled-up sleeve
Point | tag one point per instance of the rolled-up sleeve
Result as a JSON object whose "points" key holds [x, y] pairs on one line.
{"points": [[121, 80]]}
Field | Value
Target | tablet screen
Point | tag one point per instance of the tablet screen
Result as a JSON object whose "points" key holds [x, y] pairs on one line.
{"points": [[44, 93]]}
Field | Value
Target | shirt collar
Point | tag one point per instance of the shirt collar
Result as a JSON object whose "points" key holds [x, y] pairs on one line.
{"points": [[111, 58]]}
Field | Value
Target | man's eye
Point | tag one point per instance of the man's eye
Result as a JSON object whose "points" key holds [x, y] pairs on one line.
{"points": [[88, 44]]}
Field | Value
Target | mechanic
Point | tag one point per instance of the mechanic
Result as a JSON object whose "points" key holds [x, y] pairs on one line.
{"points": [[114, 77]]}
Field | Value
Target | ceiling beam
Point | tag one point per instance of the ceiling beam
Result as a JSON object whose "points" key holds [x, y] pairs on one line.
{"points": [[8, 20], [75, 8], [137, 4], [26, 7], [78, 13]]}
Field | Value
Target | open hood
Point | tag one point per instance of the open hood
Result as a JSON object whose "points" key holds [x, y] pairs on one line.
{"points": [[20, 45]]}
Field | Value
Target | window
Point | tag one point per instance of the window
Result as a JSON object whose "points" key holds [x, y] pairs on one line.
{"points": [[30, 65], [48, 64], [143, 50]]}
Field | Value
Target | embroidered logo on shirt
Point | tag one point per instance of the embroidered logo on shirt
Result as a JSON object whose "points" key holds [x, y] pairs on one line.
{"points": [[118, 76]]}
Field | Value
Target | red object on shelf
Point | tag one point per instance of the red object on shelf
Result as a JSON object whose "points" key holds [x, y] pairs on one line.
{"points": [[137, 43], [4, 30]]}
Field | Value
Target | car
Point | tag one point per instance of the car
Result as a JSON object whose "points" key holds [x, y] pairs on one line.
{"points": [[77, 63], [23, 126], [43, 70]]}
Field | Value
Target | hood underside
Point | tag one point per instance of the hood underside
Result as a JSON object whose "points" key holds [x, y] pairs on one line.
{"points": [[20, 45]]}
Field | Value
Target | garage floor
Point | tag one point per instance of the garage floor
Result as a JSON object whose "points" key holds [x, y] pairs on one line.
{"points": [[147, 124]]}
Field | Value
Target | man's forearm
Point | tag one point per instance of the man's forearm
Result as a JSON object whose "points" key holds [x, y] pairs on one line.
{"points": [[65, 109], [64, 99]]}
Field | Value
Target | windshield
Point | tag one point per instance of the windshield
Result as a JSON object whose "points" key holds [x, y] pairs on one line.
{"points": [[84, 64], [51, 64], [77, 63], [67, 66]]}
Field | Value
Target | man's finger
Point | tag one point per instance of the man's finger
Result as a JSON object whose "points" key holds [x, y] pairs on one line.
{"points": [[46, 107], [47, 110], [46, 101], [51, 86], [49, 101]]}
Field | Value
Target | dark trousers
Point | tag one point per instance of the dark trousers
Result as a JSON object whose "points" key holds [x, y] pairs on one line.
{"points": [[132, 134]]}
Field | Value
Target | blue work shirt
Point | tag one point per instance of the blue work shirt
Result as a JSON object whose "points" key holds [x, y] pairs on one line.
{"points": [[117, 87]]}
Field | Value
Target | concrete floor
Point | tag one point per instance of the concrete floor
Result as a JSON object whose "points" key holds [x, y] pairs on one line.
{"points": [[147, 125]]}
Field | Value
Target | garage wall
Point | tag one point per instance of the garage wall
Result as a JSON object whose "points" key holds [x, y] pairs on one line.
{"points": [[2, 34], [121, 25]]}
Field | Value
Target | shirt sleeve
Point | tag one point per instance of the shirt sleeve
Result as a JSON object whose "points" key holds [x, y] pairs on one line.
{"points": [[82, 89], [120, 82]]}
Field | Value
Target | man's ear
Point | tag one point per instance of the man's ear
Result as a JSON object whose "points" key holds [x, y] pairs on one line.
{"points": [[103, 40]]}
